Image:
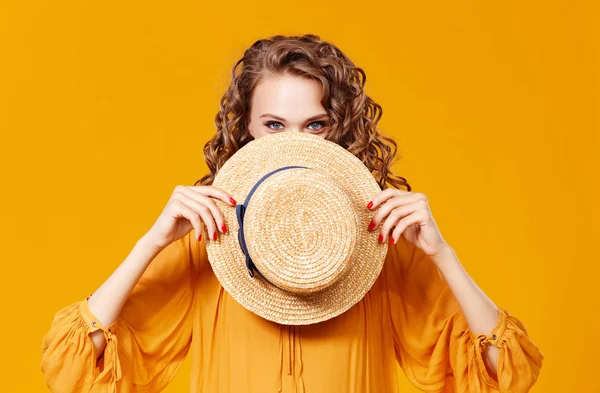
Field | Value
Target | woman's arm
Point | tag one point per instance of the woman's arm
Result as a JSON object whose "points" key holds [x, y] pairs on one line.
{"points": [[108, 300], [187, 208], [143, 347], [479, 311], [407, 214], [433, 342], [141, 318]]}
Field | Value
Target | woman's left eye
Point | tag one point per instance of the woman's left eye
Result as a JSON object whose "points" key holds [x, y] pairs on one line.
{"points": [[321, 123]]}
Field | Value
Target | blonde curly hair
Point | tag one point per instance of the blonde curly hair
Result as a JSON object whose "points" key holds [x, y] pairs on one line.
{"points": [[354, 115]]}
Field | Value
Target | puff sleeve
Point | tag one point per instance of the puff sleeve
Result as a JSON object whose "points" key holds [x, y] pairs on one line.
{"points": [[432, 341], [146, 344]]}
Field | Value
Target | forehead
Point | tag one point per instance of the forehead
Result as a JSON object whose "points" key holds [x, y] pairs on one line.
{"points": [[290, 97]]}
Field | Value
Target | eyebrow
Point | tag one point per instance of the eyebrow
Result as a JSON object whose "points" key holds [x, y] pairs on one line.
{"points": [[319, 116]]}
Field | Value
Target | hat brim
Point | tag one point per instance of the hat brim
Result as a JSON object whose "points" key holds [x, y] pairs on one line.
{"points": [[237, 176]]}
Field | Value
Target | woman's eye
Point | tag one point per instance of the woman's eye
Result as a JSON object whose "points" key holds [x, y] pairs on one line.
{"points": [[321, 123], [270, 123], [275, 125]]}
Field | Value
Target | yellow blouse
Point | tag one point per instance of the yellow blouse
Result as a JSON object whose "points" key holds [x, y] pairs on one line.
{"points": [[409, 317]]}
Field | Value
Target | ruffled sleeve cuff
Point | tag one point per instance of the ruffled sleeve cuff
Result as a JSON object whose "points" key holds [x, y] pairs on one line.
{"points": [[519, 360], [69, 360], [481, 341], [90, 319], [112, 365]]}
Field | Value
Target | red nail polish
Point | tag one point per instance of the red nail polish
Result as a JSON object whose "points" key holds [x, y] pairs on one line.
{"points": [[372, 225], [391, 239], [200, 237], [232, 201], [380, 238], [215, 236], [224, 228], [370, 205]]}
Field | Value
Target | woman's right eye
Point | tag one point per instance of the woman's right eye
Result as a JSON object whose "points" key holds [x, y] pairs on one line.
{"points": [[269, 123]]}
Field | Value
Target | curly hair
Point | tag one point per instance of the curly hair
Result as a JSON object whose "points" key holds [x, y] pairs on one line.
{"points": [[354, 115]]}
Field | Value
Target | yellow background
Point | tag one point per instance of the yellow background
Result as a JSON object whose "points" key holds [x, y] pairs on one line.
{"points": [[105, 107]]}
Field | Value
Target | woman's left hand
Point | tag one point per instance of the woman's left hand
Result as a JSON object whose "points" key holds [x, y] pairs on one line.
{"points": [[409, 213]]}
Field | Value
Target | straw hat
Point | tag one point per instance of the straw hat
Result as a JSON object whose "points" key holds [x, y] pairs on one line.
{"points": [[304, 253]]}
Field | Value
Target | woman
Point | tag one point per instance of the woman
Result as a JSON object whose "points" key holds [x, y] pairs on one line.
{"points": [[424, 312]]}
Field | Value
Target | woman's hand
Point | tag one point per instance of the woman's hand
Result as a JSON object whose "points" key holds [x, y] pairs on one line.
{"points": [[187, 208], [409, 213]]}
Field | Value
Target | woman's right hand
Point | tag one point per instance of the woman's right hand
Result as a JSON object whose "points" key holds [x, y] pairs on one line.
{"points": [[187, 208]]}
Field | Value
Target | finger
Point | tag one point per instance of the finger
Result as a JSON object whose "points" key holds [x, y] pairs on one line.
{"points": [[202, 210], [397, 200], [395, 235], [385, 209], [379, 197], [196, 199], [414, 218], [214, 192], [382, 196], [206, 212], [193, 217], [393, 219]]}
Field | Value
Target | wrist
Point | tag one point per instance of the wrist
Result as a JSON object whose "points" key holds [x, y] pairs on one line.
{"points": [[445, 256], [147, 243]]}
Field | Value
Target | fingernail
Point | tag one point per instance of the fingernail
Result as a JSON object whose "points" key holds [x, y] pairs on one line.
{"points": [[200, 237], [232, 201], [224, 228], [370, 205], [215, 236], [372, 225], [391, 239], [380, 238]]}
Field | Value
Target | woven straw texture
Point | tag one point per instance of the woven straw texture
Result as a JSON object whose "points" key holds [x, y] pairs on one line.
{"points": [[305, 229]]}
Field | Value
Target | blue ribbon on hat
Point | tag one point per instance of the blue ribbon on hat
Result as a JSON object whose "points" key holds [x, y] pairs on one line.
{"points": [[240, 210]]}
